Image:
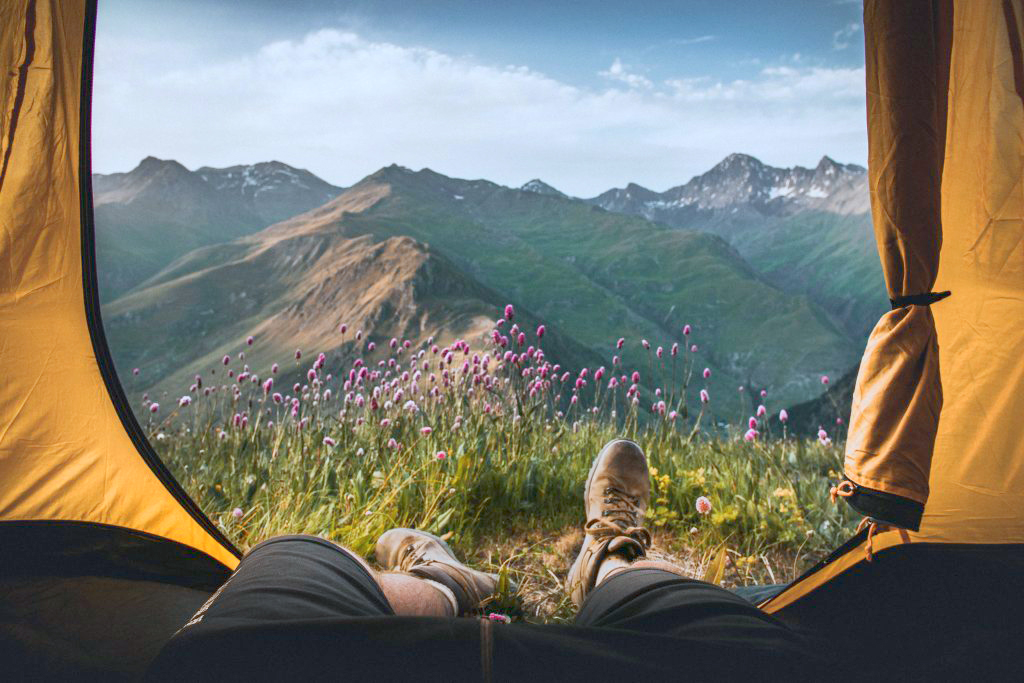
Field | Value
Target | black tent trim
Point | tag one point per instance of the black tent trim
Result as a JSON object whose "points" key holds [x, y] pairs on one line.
{"points": [[92, 300], [34, 548]]}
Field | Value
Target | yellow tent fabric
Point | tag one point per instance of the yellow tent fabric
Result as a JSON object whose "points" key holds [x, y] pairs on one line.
{"points": [[65, 452], [976, 475], [898, 396]]}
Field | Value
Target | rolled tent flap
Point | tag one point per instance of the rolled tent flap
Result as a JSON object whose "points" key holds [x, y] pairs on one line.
{"points": [[80, 487], [898, 396]]}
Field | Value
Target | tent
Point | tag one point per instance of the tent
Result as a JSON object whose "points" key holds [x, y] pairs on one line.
{"points": [[103, 555]]}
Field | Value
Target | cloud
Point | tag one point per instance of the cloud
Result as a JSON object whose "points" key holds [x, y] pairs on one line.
{"points": [[342, 106], [692, 41], [842, 38], [618, 72]]}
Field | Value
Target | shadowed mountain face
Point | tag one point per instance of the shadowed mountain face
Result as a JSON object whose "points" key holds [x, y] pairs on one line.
{"points": [[160, 210], [417, 254], [807, 231]]}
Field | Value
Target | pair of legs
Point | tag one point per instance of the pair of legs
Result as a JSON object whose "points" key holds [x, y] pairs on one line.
{"points": [[301, 607], [413, 596], [615, 500]]}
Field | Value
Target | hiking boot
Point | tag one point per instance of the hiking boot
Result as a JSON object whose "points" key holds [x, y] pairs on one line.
{"points": [[616, 496], [428, 557]]}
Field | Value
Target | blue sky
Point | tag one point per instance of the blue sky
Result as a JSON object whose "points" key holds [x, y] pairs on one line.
{"points": [[585, 95]]}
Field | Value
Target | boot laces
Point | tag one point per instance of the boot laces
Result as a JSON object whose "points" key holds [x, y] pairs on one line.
{"points": [[620, 516], [412, 556]]}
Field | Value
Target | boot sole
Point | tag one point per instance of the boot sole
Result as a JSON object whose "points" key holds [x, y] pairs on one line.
{"points": [[597, 460]]}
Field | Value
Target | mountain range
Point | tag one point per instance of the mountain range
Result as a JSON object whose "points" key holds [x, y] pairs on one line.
{"points": [[415, 254], [160, 210]]}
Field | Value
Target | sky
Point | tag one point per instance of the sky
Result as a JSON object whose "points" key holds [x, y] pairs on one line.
{"points": [[584, 95]]}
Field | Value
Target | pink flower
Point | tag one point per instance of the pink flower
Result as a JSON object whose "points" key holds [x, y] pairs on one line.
{"points": [[636, 377], [509, 312], [693, 348], [343, 328], [521, 339], [761, 411], [394, 445], [783, 416], [249, 340], [184, 401], [707, 373], [822, 434], [750, 435], [328, 441], [687, 330], [598, 374], [824, 380], [385, 423], [371, 346], [740, 388], [618, 344], [540, 331], [646, 344], [660, 352], [226, 360], [237, 513], [426, 431], [154, 407], [135, 371], [311, 374], [675, 350], [500, 618], [274, 368], [359, 335], [268, 385], [839, 420], [298, 354], [752, 423], [393, 343], [441, 455], [277, 397], [704, 396], [764, 393], [703, 505]]}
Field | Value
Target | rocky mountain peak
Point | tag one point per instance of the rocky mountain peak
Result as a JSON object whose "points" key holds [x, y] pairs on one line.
{"points": [[540, 187]]}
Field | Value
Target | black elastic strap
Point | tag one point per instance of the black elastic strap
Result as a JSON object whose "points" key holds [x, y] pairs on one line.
{"points": [[918, 299]]}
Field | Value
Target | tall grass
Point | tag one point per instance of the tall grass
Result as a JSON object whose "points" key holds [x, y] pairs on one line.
{"points": [[481, 450]]}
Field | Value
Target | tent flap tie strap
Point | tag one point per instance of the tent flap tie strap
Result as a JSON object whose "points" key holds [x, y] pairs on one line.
{"points": [[846, 489], [918, 299]]}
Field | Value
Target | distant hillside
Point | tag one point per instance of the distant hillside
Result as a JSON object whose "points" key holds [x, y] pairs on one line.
{"points": [[807, 231], [160, 210], [291, 286], [821, 411]]}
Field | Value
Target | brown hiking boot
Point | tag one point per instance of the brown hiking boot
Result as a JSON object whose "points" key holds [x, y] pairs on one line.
{"points": [[428, 557], [616, 496]]}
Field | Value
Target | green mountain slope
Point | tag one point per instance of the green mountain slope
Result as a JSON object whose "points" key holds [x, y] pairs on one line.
{"points": [[160, 210]]}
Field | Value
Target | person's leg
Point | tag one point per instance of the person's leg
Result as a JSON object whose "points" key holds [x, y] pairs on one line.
{"points": [[617, 586], [301, 607]]}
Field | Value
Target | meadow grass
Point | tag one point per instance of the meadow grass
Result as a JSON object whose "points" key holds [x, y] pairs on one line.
{"points": [[493, 457]]}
